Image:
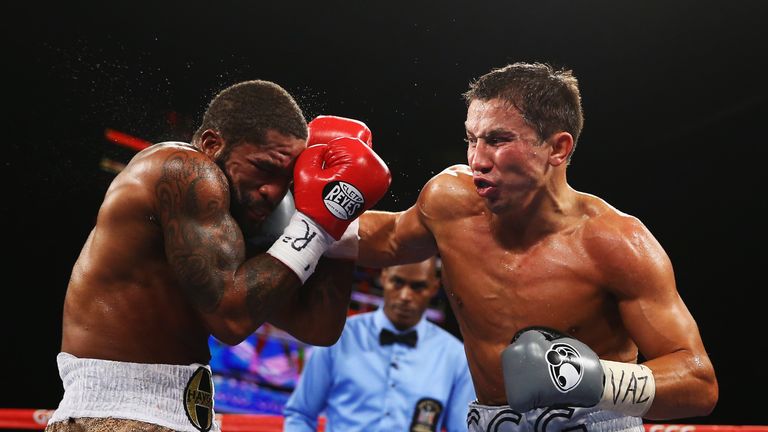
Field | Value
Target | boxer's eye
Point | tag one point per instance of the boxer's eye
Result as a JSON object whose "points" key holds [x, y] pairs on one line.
{"points": [[499, 139], [266, 167]]}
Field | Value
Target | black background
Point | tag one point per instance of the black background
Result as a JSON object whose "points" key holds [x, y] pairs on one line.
{"points": [[674, 94]]}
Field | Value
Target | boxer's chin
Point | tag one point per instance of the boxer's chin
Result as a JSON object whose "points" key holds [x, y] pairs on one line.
{"points": [[494, 205]]}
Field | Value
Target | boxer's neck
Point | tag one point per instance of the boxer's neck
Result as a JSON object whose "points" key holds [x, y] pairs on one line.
{"points": [[551, 209]]}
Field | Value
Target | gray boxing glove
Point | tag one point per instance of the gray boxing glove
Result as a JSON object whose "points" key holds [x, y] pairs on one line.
{"points": [[274, 224], [543, 368]]}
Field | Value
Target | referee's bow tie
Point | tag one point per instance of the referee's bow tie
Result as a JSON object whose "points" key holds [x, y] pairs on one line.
{"points": [[387, 337]]}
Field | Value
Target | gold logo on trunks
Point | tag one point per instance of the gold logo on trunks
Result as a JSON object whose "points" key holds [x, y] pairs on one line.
{"points": [[426, 415], [198, 399]]}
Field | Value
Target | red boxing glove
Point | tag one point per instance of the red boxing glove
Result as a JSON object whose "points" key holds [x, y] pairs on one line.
{"points": [[335, 183], [324, 129]]}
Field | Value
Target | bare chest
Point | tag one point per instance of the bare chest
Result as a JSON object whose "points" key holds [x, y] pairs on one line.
{"points": [[496, 289]]}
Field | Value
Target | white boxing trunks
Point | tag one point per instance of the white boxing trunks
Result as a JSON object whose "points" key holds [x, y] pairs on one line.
{"points": [[178, 397], [484, 418]]}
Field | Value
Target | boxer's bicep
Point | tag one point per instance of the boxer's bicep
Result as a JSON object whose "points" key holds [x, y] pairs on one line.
{"points": [[641, 277], [203, 244], [651, 308]]}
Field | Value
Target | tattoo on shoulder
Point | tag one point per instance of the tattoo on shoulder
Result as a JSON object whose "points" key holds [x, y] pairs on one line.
{"points": [[193, 201], [176, 188]]}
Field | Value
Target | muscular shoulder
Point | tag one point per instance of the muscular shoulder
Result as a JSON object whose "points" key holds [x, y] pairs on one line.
{"points": [[166, 159], [620, 243], [450, 194], [165, 176], [178, 169], [179, 160], [607, 228]]}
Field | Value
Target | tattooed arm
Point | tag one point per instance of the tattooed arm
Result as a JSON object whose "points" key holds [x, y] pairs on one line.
{"points": [[205, 247], [316, 313]]}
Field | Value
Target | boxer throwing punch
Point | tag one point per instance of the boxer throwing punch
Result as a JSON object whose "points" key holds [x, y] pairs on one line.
{"points": [[521, 248], [166, 266]]}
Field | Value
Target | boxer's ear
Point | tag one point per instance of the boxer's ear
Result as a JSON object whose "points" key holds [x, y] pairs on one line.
{"points": [[211, 143], [562, 146]]}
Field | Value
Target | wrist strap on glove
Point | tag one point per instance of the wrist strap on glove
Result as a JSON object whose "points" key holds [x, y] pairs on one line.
{"points": [[301, 245], [628, 388]]}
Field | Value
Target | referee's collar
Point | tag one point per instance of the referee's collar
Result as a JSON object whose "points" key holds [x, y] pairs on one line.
{"points": [[380, 321]]}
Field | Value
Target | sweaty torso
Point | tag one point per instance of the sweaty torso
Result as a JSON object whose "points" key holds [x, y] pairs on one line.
{"points": [[123, 301], [498, 286]]}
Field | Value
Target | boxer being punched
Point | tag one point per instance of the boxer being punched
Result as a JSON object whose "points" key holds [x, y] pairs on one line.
{"points": [[521, 248], [166, 264]]}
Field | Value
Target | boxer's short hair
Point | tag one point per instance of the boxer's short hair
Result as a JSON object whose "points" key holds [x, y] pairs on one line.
{"points": [[549, 100], [245, 111]]}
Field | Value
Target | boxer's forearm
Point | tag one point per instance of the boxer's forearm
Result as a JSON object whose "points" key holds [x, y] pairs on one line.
{"points": [[388, 239], [685, 386], [317, 312], [376, 231], [260, 286]]}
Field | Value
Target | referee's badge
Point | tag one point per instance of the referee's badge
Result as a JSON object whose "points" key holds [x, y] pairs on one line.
{"points": [[426, 415], [198, 399]]}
